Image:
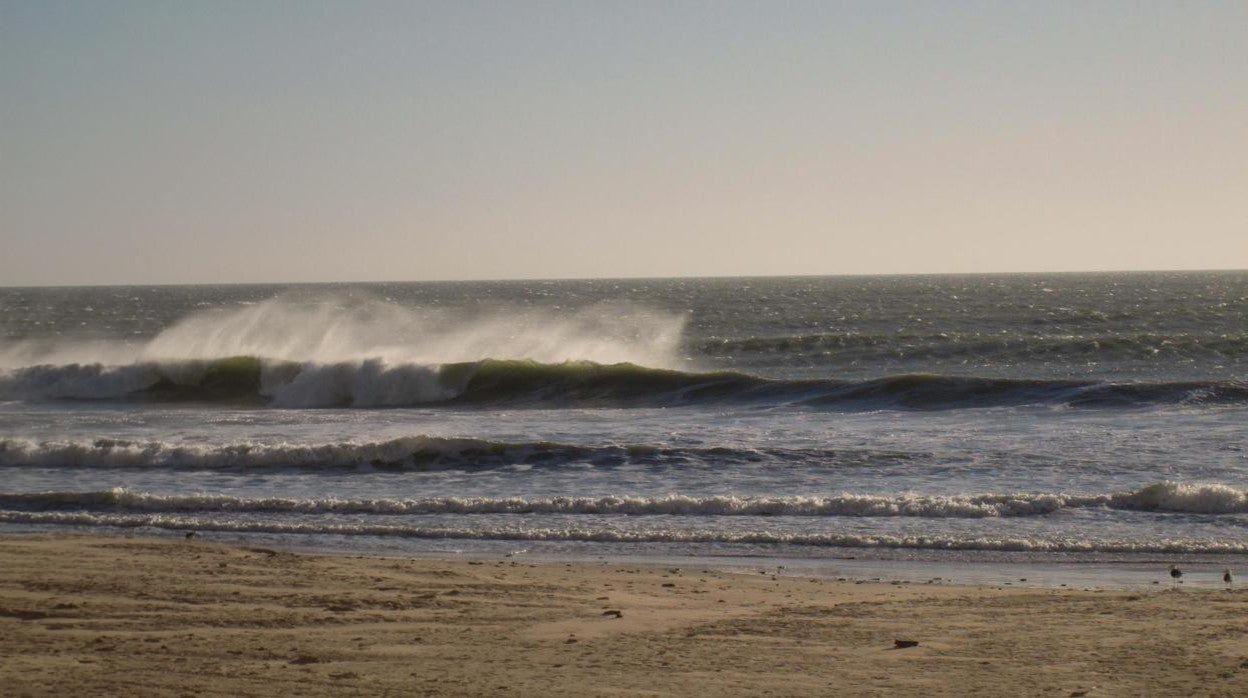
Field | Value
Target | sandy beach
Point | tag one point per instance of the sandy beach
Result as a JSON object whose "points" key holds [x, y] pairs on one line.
{"points": [[142, 616]]}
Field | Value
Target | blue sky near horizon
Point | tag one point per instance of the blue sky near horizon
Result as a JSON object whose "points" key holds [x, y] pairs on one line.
{"points": [[148, 142]]}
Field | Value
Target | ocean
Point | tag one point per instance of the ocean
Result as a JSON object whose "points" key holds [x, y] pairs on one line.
{"points": [[1090, 419]]}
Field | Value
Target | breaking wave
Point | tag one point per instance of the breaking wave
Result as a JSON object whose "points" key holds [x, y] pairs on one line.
{"points": [[351, 352], [1164, 497], [338, 329], [615, 535], [340, 351], [416, 453], [525, 383]]}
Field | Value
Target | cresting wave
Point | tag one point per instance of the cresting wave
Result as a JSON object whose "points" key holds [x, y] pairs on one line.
{"points": [[525, 383], [613, 535], [414, 453], [1164, 496], [327, 329]]}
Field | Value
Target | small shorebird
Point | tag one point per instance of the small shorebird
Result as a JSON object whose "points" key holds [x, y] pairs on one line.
{"points": [[1226, 577], [1175, 574]]}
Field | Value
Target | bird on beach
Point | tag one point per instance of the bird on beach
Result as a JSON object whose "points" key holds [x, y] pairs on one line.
{"points": [[1226, 577], [1175, 574]]}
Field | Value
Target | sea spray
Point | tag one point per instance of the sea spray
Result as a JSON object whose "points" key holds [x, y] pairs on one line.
{"points": [[335, 330], [329, 330]]}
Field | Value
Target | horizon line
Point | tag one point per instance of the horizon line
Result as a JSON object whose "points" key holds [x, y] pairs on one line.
{"points": [[627, 278]]}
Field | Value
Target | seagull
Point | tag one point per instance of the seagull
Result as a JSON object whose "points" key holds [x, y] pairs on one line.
{"points": [[1226, 577], [1175, 573]]}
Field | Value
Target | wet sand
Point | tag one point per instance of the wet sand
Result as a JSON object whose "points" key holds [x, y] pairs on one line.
{"points": [[146, 616]]}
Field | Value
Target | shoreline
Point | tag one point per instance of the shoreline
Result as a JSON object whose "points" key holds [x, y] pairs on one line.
{"points": [[158, 616], [1088, 571]]}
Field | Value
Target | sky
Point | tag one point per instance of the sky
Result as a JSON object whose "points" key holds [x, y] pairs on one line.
{"points": [[220, 142]]}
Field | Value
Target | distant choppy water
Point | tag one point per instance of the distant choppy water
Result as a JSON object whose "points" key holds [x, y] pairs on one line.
{"points": [[1102, 416]]}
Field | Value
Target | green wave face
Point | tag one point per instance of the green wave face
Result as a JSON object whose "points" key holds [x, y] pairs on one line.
{"points": [[237, 378]]}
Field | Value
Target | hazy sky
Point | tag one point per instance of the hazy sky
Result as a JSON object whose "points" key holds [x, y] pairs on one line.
{"points": [[157, 142]]}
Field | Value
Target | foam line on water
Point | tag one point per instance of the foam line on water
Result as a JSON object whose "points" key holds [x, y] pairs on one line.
{"points": [[415, 453], [1163, 496], [592, 534]]}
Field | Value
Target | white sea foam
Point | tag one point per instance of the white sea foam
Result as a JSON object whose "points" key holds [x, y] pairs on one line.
{"points": [[1203, 499], [418, 452], [597, 534], [413, 452], [1177, 496]]}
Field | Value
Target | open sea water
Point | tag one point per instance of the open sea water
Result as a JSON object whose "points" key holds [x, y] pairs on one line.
{"points": [[1090, 418]]}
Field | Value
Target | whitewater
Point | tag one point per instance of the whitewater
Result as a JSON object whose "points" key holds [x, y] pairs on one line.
{"points": [[1091, 417]]}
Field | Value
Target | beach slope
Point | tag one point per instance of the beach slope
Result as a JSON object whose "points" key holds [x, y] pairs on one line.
{"points": [[146, 616]]}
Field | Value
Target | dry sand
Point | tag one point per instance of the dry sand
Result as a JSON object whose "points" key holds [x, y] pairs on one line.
{"points": [[135, 616]]}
